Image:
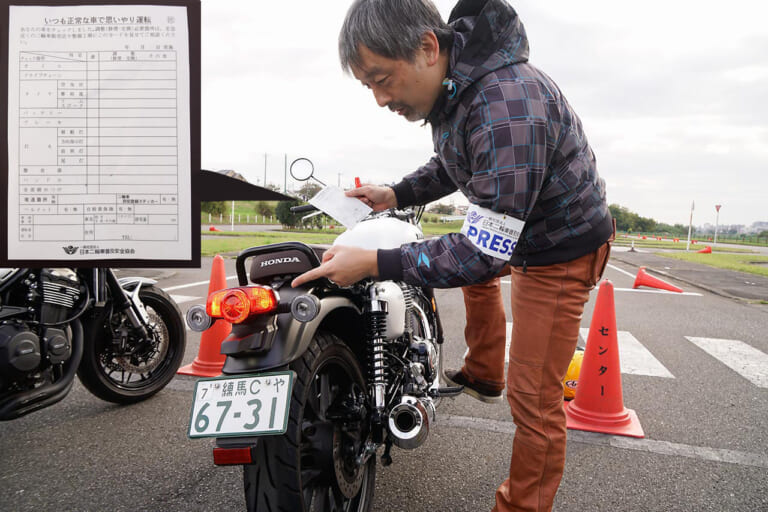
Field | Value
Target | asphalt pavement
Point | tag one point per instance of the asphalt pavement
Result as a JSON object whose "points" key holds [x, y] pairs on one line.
{"points": [[723, 282], [705, 447]]}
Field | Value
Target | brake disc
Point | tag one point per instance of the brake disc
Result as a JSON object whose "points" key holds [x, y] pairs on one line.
{"points": [[149, 360]]}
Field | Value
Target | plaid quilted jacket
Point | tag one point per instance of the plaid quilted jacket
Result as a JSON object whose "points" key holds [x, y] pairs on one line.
{"points": [[506, 137]]}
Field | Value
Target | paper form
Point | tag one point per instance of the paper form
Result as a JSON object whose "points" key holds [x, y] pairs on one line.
{"points": [[99, 133], [347, 210]]}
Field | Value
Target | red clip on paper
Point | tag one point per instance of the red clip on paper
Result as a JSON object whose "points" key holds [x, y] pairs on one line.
{"points": [[357, 182]]}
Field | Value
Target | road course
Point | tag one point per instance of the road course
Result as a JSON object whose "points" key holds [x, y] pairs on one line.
{"points": [[703, 411]]}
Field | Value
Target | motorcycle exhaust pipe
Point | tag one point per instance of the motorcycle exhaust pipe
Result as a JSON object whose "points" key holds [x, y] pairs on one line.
{"points": [[409, 422]]}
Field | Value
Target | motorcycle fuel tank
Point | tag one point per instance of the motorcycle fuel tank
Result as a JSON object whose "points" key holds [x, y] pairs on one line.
{"points": [[383, 233]]}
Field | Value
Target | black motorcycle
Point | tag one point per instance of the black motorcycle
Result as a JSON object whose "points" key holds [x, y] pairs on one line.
{"points": [[318, 378], [124, 338]]}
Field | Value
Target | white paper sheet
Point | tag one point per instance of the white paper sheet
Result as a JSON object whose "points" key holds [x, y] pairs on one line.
{"points": [[347, 210], [98, 133]]}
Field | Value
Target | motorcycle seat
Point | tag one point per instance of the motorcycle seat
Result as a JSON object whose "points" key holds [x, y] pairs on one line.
{"points": [[288, 262]]}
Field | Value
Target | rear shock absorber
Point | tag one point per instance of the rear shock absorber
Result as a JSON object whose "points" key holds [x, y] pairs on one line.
{"points": [[376, 313]]}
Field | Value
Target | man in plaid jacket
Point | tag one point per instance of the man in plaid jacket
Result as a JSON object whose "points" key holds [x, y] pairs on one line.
{"points": [[505, 136]]}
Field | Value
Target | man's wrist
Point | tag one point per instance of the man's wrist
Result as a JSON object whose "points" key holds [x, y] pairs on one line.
{"points": [[373, 263], [392, 197], [404, 195], [389, 266]]}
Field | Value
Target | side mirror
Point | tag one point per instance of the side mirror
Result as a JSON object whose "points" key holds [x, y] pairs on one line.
{"points": [[301, 169]]}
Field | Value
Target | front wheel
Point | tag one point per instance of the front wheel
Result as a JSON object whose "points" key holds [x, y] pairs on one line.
{"points": [[123, 366], [319, 464]]}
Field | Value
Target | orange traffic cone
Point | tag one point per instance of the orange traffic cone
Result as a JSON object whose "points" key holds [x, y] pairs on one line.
{"points": [[599, 402], [210, 360], [213, 228], [706, 250], [643, 279]]}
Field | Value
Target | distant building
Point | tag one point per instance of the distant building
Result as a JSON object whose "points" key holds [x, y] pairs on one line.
{"points": [[758, 227]]}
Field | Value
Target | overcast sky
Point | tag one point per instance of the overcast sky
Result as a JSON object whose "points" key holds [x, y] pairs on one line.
{"points": [[673, 96]]}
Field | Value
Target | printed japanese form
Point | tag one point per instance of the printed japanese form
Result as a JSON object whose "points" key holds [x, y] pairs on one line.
{"points": [[98, 133], [347, 210]]}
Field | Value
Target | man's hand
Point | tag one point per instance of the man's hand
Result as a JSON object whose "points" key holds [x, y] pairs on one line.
{"points": [[377, 197], [343, 265]]}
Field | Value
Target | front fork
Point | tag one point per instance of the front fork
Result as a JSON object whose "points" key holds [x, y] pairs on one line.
{"points": [[106, 285]]}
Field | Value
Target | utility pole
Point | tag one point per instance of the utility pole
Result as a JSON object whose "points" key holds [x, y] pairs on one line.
{"points": [[690, 223], [717, 220], [265, 170], [285, 174], [338, 182]]}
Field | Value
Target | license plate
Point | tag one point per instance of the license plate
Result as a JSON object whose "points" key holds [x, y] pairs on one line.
{"points": [[251, 405]]}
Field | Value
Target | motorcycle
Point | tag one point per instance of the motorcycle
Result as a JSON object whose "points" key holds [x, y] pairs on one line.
{"points": [[124, 338], [317, 378]]}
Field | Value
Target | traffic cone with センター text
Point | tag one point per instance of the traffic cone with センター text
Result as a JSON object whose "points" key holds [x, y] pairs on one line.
{"points": [[210, 360], [644, 279], [599, 402]]}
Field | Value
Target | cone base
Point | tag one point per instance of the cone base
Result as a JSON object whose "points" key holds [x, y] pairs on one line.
{"points": [[201, 369], [625, 424]]}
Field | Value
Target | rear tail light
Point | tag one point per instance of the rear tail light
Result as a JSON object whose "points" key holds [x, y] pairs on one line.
{"points": [[236, 305]]}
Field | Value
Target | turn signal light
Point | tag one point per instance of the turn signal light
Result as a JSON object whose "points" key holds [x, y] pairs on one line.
{"points": [[235, 305]]}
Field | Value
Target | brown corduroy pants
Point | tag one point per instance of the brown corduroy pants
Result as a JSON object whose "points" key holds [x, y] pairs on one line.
{"points": [[547, 305]]}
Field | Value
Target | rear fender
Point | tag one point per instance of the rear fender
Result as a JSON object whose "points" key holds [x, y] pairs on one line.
{"points": [[285, 339]]}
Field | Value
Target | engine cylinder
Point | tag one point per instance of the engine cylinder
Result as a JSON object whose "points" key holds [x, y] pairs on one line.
{"points": [[409, 422]]}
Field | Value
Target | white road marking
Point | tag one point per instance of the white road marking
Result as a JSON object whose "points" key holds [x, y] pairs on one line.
{"points": [[184, 298], [614, 267], [661, 292], [509, 342], [624, 443], [744, 359], [634, 358]]}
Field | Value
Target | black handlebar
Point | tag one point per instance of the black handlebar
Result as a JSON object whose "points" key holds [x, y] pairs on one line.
{"points": [[303, 208]]}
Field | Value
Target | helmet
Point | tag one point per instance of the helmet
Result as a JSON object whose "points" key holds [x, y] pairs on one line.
{"points": [[571, 378]]}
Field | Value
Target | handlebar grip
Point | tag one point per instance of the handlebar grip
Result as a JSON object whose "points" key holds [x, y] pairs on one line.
{"points": [[303, 208]]}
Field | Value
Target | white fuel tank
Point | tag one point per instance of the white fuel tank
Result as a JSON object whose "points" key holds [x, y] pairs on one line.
{"points": [[382, 233]]}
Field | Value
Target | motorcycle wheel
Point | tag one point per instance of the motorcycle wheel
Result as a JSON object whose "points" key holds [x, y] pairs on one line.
{"points": [[123, 367], [312, 466]]}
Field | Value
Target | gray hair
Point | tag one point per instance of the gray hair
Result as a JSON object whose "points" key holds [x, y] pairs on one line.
{"points": [[390, 28]]}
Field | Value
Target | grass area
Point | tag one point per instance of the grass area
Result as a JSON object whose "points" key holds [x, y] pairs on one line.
{"points": [[222, 242], [757, 265], [441, 228], [236, 242], [336, 231]]}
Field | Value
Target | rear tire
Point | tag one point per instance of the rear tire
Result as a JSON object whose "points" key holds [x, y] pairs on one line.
{"points": [[312, 466]]}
